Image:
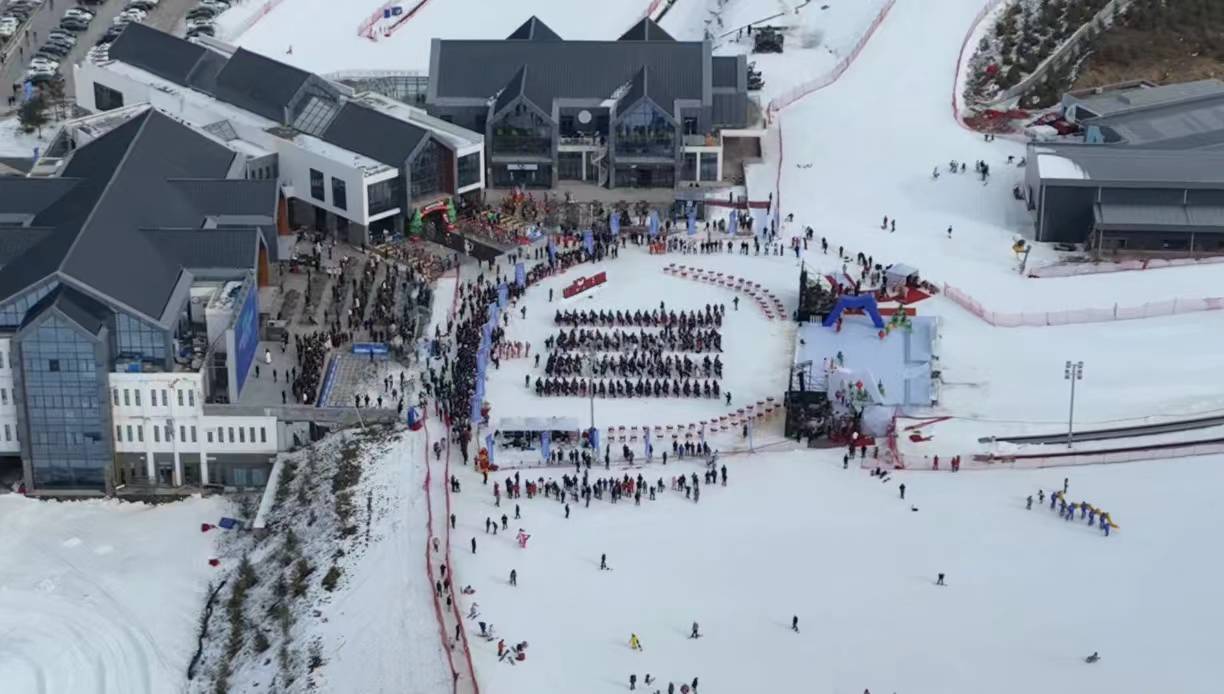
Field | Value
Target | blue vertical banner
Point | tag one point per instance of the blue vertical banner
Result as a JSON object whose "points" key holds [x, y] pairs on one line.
{"points": [[692, 221], [652, 223], [475, 410], [503, 295], [588, 241], [614, 222], [520, 274], [552, 250], [594, 436], [733, 222], [493, 313], [489, 447], [545, 445], [649, 446]]}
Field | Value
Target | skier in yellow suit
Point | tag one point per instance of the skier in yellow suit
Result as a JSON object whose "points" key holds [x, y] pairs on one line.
{"points": [[634, 643]]}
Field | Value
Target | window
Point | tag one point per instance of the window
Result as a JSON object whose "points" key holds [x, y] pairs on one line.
{"points": [[569, 166], [165, 399], [115, 396], [107, 99], [140, 433], [3, 396], [316, 185], [126, 401], [1, 360], [220, 434], [688, 169], [8, 435], [53, 365], [191, 398], [208, 435], [129, 432], [193, 433], [645, 131], [263, 435], [385, 195], [179, 393], [169, 433], [469, 169], [231, 434], [690, 125], [183, 433], [136, 395], [241, 435], [427, 171], [709, 166], [251, 432], [118, 432], [339, 194], [157, 434]]}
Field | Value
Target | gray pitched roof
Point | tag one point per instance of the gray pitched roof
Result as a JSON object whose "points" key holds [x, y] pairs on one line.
{"points": [[1166, 217], [646, 30], [577, 69], [1104, 164], [141, 175], [637, 89], [1143, 95], [1183, 124], [258, 84], [21, 195], [79, 307], [234, 196], [533, 30], [16, 240], [372, 134], [207, 248], [512, 90], [162, 54]]}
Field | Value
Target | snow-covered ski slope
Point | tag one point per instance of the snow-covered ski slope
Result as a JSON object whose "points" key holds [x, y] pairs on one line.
{"points": [[872, 139], [1028, 595], [101, 597], [323, 33]]}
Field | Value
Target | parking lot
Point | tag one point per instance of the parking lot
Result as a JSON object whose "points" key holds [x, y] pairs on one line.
{"points": [[167, 16]]}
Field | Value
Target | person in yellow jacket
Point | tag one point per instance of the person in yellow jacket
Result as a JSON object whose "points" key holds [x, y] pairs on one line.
{"points": [[634, 643]]}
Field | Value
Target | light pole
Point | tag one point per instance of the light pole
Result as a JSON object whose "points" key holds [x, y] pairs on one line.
{"points": [[1073, 371]]}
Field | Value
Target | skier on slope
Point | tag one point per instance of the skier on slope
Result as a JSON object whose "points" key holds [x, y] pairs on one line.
{"points": [[695, 633], [635, 644]]}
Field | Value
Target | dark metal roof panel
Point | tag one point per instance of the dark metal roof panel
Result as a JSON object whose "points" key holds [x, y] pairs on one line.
{"points": [[646, 30], [259, 84], [372, 134], [730, 110], [162, 54], [512, 90], [725, 70], [237, 196], [533, 30], [90, 314], [15, 241], [21, 195], [576, 69], [203, 76], [232, 247]]}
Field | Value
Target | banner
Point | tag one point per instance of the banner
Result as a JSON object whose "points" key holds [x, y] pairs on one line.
{"points": [[545, 445], [614, 222], [520, 274], [493, 313], [588, 241], [503, 295], [489, 447], [595, 441], [649, 446], [552, 250], [475, 414], [733, 223], [692, 222], [652, 223]]}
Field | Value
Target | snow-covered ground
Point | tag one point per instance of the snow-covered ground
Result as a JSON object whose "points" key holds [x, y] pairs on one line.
{"points": [[817, 34], [332, 44], [1028, 595], [16, 143], [102, 597]]}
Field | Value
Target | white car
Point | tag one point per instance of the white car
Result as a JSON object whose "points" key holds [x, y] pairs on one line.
{"points": [[40, 61], [7, 30], [134, 15], [79, 13]]}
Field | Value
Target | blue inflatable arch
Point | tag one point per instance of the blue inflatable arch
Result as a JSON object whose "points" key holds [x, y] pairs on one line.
{"points": [[865, 302]]}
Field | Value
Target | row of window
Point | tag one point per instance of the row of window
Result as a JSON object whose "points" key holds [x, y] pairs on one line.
{"points": [[339, 190], [131, 397], [188, 434], [4, 396], [8, 433], [264, 172]]}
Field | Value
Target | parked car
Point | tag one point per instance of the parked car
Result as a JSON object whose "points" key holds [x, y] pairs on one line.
{"points": [[53, 50], [61, 34], [214, 5], [79, 13], [202, 13], [74, 24], [145, 5], [202, 30], [134, 15], [8, 26]]}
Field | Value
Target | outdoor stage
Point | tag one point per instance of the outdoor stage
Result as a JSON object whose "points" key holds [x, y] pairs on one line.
{"points": [[902, 361]]}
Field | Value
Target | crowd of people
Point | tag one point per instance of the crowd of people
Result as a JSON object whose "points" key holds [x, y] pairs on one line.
{"points": [[669, 339], [712, 315], [311, 353], [653, 364], [627, 388]]}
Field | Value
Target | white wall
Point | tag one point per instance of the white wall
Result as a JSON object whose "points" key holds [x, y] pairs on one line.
{"points": [[295, 165], [143, 405], [9, 444]]}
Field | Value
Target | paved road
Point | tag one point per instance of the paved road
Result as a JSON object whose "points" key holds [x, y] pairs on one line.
{"points": [[167, 16]]}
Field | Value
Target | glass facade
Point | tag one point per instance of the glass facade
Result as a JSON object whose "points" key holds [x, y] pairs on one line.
{"points": [[646, 176], [469, 169], [522, 131], [645, 131], [709, 166], [526, 175], [427, 171], [106, 98], [688, 168], [65, 406], [316, 185], [14, 311], [569, 166], [136, 340], [385, 195], [339, 194]]}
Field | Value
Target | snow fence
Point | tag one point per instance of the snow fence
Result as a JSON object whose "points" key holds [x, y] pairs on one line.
{"points": [[799, 91], [1154, 309], [1076, 269]]}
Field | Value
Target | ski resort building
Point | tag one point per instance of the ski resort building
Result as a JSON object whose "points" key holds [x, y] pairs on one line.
{"points": [[643, 111], [357, 163], [128, 302], [1148, 176]]}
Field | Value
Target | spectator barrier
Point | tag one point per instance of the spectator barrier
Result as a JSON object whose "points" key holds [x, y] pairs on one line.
{"points": [[799, 91], [1076, 269], [429, 562], [1079, 316]]}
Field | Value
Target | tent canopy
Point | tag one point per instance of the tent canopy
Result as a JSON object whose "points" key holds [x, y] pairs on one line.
{"points": [[900, 272], [538, 424]]}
